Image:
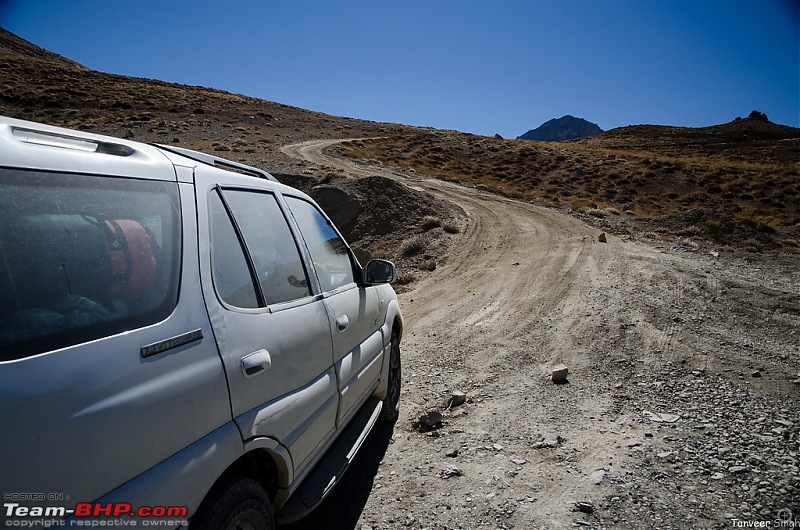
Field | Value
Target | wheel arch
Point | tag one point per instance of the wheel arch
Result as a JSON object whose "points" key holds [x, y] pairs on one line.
{"points": [[392, 326], [265, 461], [259, 466]]}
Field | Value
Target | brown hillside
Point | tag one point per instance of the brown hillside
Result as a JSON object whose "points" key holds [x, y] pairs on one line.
{"points": [[743, 140], [42, 86], [740, 179], [736, 184]]}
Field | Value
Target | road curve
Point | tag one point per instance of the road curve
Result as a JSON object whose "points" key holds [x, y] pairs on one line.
{"points": [[507, 303], [513, 258]]}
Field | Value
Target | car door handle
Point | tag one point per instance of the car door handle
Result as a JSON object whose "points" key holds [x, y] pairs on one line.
{"points": [[342, 323], [256, 363]]}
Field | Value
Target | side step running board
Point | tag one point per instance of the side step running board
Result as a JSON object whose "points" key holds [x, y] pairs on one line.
{"points": [[331, 468]]}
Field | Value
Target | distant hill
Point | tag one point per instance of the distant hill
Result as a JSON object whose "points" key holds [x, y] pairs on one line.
{"points": [[560, 129]]}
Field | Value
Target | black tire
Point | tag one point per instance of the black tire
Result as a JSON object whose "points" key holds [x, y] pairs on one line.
{"points": [[391, 404], [238, 503]]}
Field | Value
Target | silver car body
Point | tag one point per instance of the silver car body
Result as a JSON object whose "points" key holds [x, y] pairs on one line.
{"points": [[153, 415]]}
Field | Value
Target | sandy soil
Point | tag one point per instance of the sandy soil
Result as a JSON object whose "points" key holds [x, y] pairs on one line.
{"points": [[681, 407]]}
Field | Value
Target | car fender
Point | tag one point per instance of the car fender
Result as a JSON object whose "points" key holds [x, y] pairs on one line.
{"points": [[392, 314], [279, 455]]}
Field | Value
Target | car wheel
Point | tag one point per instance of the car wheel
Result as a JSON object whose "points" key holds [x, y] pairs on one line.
{"points": [[391, 404], [239, 503]]}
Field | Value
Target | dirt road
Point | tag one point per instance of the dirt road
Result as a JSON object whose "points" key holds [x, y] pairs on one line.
{"points": [[681, 407]]}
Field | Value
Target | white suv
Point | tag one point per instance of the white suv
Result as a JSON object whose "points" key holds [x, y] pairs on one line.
{"points": [[181, 337]]}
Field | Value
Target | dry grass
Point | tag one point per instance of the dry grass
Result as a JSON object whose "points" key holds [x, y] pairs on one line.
{"points": [[405, 278], [758, 220], [428, 265], [429, 222], [748, 170], [450, 228], [413, 246]]}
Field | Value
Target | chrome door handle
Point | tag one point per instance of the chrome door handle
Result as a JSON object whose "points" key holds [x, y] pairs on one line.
{"points": [[342, 323], [255, 363]]}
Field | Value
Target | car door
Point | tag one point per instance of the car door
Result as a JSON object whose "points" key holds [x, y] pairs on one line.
{"points": [[353, 310], [272, 332]]}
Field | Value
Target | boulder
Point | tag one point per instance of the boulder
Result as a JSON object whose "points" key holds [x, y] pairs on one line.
{"points": [[430, 419], [457, 398], [559, 374], [343, 207]]}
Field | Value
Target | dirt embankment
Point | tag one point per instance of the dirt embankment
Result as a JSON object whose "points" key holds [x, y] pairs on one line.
{"points": [[681, 407]]}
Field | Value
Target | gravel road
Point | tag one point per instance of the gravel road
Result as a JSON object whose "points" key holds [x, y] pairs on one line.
{"points": [[680, 409]]}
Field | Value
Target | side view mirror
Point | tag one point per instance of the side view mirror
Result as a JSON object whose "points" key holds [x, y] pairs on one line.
{"points": [[379, 271]]}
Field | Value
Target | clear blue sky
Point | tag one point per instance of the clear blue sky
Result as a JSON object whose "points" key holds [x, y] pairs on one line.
{"points": [[480, 66]]}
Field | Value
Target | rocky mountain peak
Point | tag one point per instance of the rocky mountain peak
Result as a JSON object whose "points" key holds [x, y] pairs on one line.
{"points": [[560, 129]]}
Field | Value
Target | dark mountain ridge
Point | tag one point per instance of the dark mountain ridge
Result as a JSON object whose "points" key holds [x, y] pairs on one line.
{"points": [[561, 129]]}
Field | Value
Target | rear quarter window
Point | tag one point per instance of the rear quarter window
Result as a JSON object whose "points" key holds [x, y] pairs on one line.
{"points": [[83, 257]]}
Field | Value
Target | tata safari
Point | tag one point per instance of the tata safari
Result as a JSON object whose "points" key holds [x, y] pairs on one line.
{"points": [[180, 336]]}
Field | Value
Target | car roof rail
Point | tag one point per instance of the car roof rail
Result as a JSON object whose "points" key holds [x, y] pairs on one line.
{"points": [[216, 161], [57, 138]]}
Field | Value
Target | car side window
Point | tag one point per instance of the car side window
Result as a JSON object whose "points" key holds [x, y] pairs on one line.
{"points": [[270, 246], [328, 251], [83, 257], [232, 277]]}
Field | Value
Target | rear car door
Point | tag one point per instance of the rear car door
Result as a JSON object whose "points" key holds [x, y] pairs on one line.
{"points": [[354, 311], [271, 330]]}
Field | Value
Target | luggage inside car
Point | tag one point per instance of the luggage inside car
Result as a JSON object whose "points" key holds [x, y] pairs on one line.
{"points": [[66, 271]]}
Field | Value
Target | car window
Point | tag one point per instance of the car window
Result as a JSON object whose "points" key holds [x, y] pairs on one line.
{"points": [[83, 257], [328, 251], [232, 277], [270, 244]]}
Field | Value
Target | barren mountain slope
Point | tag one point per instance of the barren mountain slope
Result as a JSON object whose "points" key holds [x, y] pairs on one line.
{"points": [[42, 86], [680, 410]]}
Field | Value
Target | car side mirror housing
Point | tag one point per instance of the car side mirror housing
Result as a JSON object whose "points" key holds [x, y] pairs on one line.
{"points": [[379, 271]]}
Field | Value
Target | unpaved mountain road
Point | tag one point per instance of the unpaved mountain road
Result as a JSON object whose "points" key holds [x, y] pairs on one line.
{"points": [[681, 408]]}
